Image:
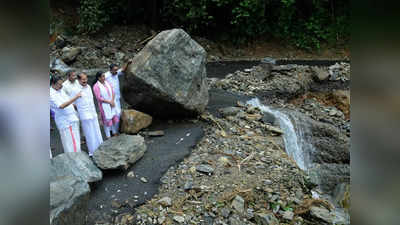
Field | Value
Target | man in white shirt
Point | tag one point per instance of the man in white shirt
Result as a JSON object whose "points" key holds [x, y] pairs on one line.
{"points": [[65, 116], [88, 115], [112, 78], [71, 83]]}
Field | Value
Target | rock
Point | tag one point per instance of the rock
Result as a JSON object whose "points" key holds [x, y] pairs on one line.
{"points": [[330, 145], [224, 161], [229, 111], [74, 164], [120, 151], [322, 214], [60, 42], [143, 179], [225, 212], [204, 168], [131, 174], [266, 219], [288, 215], [328, 176], [166, 201], [341, 98], [68, 201], [161, 219], [238, 204], [108, 51], [132, 121], [157, 133], [168, 77], [69, 54], [341, 195], [179, 219], [235, 221], [188, 185], [319, 74], [116, 204]]}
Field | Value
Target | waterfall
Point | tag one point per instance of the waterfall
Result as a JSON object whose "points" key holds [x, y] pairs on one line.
{"points": [[296, 144]]}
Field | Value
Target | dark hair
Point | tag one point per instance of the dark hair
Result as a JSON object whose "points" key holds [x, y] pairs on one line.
{"points": [[113, 65], [69, 72], [98, 75], [54, 79], [80, 75]]}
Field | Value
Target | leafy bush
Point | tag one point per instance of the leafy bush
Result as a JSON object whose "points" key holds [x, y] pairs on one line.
{"points": [[92, 16], [304, 23]]}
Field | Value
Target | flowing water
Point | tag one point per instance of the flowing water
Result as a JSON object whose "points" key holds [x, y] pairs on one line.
{"points": [[296, 144]]}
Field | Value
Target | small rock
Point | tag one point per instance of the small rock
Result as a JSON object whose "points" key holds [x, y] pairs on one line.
{"points": [[225, 212], [288, 215], [319, 74], [143, 179], [323, 214], [166, 201], [229, 111], [266, 219], [116, 204], [70, 54], [204, 168], [161, 219], [188, 185], [224, 161], [238, 204], [131, 174], [179, 219]]}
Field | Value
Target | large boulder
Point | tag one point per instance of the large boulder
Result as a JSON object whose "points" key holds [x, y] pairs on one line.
{"points": [[133, 121], [120, 151], [168, 77], [69, 54], [68, 201], [75, 164]]}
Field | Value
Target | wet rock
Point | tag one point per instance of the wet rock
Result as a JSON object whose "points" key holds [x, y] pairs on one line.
{"points": [[68, 201], [166, 201], [120, 151], [238, 204], [330, 145], [74, 164], [266, 219], [69, 54], [204, 168], [60, 42], [341, 195], [327, 176], [133, 121], [168, 77], [268, 118]]}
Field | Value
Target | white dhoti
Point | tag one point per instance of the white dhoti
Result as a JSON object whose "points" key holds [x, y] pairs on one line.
{"points": [[92, 132], [70, 138], [115, 127]]}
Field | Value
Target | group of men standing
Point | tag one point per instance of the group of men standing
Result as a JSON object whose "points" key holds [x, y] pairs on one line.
{"points": [[72, 101]]}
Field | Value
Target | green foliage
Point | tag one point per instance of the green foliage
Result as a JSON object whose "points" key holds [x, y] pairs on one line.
{"points": [[305, 24], [92, 16]]}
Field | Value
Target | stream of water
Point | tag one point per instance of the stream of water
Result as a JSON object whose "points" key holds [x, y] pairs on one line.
{"points": [[296, 144]]}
